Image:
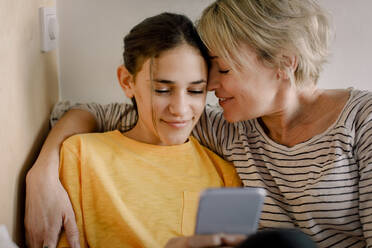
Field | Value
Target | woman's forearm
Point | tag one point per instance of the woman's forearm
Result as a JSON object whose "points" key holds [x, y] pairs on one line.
{"points": [[48, 208], [75, 121]]}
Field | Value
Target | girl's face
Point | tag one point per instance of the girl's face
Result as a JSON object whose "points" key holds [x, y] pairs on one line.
{"points": [[252, 92], [171, 102]]}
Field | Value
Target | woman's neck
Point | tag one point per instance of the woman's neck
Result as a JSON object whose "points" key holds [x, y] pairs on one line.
{"points": [[296, 113]]}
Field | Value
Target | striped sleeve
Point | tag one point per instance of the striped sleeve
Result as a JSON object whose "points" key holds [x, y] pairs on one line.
{"points": [[363, 150], [109, 117], [211, 128], [59, 109]]}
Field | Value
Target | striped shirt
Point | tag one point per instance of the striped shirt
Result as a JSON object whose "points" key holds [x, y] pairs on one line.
{"points": [[322, 186]]}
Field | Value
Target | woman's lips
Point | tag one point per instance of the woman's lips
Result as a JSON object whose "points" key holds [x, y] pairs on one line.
{"points": [[224, 100]]}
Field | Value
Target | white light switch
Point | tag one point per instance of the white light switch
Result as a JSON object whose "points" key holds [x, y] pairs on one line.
{"points": [[48, 28]]}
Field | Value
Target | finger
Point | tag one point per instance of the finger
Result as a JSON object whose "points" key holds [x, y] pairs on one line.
{"points": [[33, 222], [32, 242], [71, 229], [49, 245], [198, 241], [176, 242], [51, 237], [233, 239]]}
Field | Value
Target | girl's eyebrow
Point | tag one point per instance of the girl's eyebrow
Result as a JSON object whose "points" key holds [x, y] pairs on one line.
{"points": [[164, 81]]}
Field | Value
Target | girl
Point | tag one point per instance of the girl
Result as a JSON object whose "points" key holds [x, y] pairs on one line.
{"points": [[140, 188]]}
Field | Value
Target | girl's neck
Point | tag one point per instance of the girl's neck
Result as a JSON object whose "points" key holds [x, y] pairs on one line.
{"points": [[140, 134]]}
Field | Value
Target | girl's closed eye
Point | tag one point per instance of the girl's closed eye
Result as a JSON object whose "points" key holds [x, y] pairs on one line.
{"points": [[197, 91], [162, 90]]}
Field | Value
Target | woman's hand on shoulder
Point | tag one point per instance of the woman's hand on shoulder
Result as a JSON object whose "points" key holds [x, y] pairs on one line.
{"points": [[201, 241], [48, 209]]}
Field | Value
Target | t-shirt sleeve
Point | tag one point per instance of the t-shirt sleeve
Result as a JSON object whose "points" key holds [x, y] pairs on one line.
{"points": [[121, 116], [363, 153], [210, 129], [70, 177], [226, 170]]}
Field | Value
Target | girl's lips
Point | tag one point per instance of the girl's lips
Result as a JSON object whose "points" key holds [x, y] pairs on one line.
{"points": [[177, 124]]}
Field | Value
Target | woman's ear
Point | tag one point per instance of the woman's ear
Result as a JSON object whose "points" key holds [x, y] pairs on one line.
{"points": [[126, 81], [289, 65]]}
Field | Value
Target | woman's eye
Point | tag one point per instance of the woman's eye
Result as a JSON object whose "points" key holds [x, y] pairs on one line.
{"points": [[223, 71]]}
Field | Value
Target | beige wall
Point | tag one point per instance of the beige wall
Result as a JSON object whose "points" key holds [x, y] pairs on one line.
{"points": [[91, 42], [28, 89], [91, 47]]}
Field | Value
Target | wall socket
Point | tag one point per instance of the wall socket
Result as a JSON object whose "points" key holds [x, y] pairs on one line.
{"points": [[48, 28]]}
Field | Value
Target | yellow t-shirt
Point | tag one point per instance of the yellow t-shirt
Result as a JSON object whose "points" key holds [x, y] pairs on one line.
{"points": [[130, 194]]}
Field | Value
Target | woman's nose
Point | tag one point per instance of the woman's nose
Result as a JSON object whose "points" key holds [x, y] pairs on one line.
{"points": [[213, 78]]}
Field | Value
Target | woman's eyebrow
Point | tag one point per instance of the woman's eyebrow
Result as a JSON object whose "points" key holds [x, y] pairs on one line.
{"points": [[164, 81]]}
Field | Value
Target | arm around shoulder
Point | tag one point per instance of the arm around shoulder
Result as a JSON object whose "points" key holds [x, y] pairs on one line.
{"points": [[47, 204]]}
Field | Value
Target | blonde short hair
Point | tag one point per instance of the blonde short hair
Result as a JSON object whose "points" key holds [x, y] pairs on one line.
{"points": [[274, 29]]}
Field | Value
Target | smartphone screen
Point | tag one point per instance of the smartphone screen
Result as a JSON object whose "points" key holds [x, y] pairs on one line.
{"points": [[229, 210]]}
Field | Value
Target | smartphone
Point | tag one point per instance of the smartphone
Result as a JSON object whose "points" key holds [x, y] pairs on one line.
{"points": [[229, 210]]}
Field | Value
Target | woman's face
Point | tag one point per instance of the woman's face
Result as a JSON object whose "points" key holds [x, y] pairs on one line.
{"points": [[252, 92], [170, 105]]}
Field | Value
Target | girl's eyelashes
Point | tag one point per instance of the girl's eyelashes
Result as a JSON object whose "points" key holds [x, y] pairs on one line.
{"points": [[190, 91], [196, 91], [162, 91]]}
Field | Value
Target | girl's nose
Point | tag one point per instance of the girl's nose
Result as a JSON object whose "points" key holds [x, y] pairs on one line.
{"points": [[179, 105]]}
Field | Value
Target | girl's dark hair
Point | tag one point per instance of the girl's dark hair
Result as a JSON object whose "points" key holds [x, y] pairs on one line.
{"points": [[157, 34]]}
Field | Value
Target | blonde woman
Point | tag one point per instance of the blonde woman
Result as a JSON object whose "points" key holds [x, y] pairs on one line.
{"points": [[309, 148]]}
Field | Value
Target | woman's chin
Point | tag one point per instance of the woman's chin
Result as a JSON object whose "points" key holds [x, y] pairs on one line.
{"points": [[230, 117]]}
